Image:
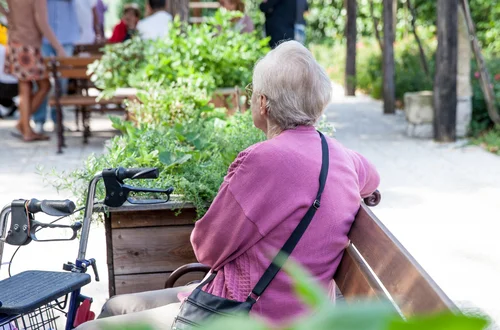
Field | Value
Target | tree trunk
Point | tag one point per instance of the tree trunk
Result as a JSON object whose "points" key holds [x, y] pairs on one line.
{"points": [[394, 18], [423, 58], [445, 84], [375, 26], [388, 58], [350, 65], [486, 85]]}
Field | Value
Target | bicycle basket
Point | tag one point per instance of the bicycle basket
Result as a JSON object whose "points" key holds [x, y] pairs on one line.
{"points": [[43, 318]]}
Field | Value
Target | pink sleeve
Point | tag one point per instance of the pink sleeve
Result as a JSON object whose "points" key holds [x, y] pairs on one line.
{"points": [[224, 233], [368, 176]]}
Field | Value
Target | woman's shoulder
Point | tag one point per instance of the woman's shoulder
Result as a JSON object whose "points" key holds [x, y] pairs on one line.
{"points": [[254, 158]]}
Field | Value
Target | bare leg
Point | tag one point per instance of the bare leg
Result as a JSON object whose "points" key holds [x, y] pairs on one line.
{"points": [[40, 94], [25, 111]]}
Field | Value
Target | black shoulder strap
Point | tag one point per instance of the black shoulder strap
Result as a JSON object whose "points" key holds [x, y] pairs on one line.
{"points": [[290, 244]]}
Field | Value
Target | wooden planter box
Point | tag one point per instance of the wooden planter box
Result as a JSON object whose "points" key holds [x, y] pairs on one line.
{"points": [[146, 243], [229, 98]]}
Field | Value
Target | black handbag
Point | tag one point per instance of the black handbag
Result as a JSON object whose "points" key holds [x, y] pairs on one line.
{"points": [[201, 306]]}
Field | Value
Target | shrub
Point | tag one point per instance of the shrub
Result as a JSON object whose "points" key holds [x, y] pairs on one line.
{"points": [[480, 118], [214, 52], [179, 132]]}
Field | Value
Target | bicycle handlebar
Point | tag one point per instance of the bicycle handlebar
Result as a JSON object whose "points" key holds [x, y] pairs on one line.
{"points": [[51, 207], [136, 173]]}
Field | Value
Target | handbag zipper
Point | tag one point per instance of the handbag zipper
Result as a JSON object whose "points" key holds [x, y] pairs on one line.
{"points": [[181, 319], [206, 307]]}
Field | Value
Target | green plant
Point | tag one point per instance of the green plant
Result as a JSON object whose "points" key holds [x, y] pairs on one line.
{"points": [[326, 20], [215, 52], [179, 132], [489, 139], [481, 121], [409, 76]]}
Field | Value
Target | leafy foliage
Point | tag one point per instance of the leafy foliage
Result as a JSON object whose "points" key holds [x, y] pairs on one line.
{"points": [[327, 18], [489, 139], [215, 53], [410, 75], [480, 118], [179, 132]]}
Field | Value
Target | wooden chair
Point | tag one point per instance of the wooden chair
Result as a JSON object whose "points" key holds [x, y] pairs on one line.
{"points": [[76, 68], [375, 265]]}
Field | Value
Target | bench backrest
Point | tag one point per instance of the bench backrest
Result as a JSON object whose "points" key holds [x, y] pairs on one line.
{"points": [[376, 265], [70, 67], [93, 49]]}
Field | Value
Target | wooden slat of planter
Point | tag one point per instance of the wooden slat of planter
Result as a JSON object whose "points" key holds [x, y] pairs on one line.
{"points": [[398, 271], [148, 282], [152, 218], [151, 249]]}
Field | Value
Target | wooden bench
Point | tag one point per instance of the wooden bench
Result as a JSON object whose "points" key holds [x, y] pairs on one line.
{"points": [[375, 265], [92, 49], [76, 68]]}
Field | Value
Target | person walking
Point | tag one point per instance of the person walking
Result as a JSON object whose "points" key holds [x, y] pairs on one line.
{"points": [[280, 20], [64, 22], [27, 25]]}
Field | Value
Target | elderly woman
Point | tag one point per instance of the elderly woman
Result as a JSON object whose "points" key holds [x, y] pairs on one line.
{"points": [[266, 193]]}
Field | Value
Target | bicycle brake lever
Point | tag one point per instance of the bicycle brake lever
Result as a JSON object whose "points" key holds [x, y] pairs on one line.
{"points": [[36, 226], [167, 191], [128, 189]]}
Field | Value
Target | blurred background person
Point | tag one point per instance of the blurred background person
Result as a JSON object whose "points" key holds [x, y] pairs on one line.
{"points": [[8, 83], [244, 24], [63, 21], [127, 26], [101, 9], [300, 22], [156, 25], [88, 20], [280, 20], [27, 20]]}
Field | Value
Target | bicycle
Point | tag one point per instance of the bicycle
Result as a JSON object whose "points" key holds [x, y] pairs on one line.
{"points": [[28, 300]]}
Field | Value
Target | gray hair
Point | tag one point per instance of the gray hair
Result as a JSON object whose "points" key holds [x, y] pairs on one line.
{"points": [[297, 88]]}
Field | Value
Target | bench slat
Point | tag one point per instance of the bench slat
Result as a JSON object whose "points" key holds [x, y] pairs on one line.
{"points": [[72, 61], [404, 279], [353, 278], [73, 73], [84, 101]]}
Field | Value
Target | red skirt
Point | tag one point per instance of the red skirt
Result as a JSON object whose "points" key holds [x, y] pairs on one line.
{"points": [[24, 62]]}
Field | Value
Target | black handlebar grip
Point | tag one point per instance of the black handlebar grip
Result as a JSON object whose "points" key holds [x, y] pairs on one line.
{"points": [[136, 173], [51, 207], [34, 206]]}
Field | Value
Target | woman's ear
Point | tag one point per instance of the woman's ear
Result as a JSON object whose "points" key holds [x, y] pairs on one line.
{"points": [[263, 105]]}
